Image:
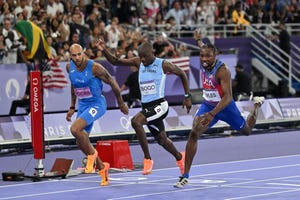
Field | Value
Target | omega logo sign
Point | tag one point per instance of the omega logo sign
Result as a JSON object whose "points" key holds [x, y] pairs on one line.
{"points": [[35, 90]]}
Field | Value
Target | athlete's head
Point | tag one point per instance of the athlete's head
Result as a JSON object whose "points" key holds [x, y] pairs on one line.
{"points": [[145, 51], [77, 54], [208, 55]]}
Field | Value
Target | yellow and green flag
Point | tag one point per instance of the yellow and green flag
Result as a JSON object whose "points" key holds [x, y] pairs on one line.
{"points": [[33, 35]]}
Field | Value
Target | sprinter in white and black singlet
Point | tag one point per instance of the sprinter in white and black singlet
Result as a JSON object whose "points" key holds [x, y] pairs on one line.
{"points": [[152, 77]]}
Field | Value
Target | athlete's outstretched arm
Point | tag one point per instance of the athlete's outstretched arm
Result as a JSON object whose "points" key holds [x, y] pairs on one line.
{"points": [[101, 73], [135, 61], [198, 38]]}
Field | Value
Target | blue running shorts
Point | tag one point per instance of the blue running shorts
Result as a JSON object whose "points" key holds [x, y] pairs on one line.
{"points": [[231, 115]]}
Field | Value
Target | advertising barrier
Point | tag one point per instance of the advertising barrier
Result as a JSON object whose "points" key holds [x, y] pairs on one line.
{"points": [[16, 129]]}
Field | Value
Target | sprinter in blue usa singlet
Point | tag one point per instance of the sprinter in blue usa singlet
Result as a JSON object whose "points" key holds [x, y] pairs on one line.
{"points": [[217, 104]]}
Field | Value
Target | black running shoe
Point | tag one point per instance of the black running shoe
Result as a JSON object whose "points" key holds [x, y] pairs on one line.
{"points": [[182, 181]]}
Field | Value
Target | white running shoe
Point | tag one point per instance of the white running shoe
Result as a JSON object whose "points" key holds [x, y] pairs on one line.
{"points": [[182, 182], [259, 100]]}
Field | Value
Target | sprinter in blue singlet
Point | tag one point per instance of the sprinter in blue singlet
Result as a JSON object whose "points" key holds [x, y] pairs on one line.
{"points": [[86, 78], [152, 77], [217, 103]]}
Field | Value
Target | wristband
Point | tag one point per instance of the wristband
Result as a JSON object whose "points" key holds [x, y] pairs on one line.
{"points": [[72, 107], [187, 95]]}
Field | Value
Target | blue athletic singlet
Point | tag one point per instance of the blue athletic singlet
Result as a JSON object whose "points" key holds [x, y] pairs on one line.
{"points": [[152, 81], [212, 94], [88, 89]]}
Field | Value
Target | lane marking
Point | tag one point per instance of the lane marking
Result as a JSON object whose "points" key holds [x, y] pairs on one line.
{"points": [[264, 194], [284, 184]]}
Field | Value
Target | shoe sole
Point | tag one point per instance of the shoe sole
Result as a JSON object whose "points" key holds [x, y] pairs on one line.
{"points": [[147, 173]]}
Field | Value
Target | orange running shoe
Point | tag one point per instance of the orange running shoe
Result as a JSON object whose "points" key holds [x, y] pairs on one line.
{"points": [[104, 174], [89, 168], [180, 163], [148, 165]]}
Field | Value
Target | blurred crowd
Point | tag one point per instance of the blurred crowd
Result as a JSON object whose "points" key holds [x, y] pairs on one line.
{"points": [[122, 23]]}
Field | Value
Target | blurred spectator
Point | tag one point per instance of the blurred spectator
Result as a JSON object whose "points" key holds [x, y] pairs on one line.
{"points": [[132, 84], [171, 28], [11, 47], [7, 27], [113, 34], [295, 11], [53, 7], [175, 12], [239, 18], [92, 21], [144, 20], [2, 48], [183, 50], [77, 16], [6, 13], [241, 84], [163, 48], [121, 49], [125, 10], [284, 44], [188, 13], [223, 17], [24, 8], [63, 52], [151, 8], [271, 14], [23, 103], [159, 20], [76, 27], [52, 49], [100, 8], [74, 38], [11, 40], [89, 53]]}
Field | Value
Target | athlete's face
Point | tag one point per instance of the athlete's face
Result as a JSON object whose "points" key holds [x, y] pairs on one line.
{"points": [[207, 58], [77, 56], [147, 58]]}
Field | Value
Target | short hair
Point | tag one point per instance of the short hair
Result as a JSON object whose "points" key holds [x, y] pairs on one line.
{"points": [[210, 46]]}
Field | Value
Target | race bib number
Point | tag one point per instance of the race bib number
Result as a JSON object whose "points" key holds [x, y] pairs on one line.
{"points": [[83, 93], [93, 112], [148, 88], [211, 95]]}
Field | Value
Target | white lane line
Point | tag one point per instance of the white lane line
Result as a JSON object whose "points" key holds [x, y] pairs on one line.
{"points": [[261, 180], [262, 195], [47, 193], [160, 193], [248, 170], [284, 184]]}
